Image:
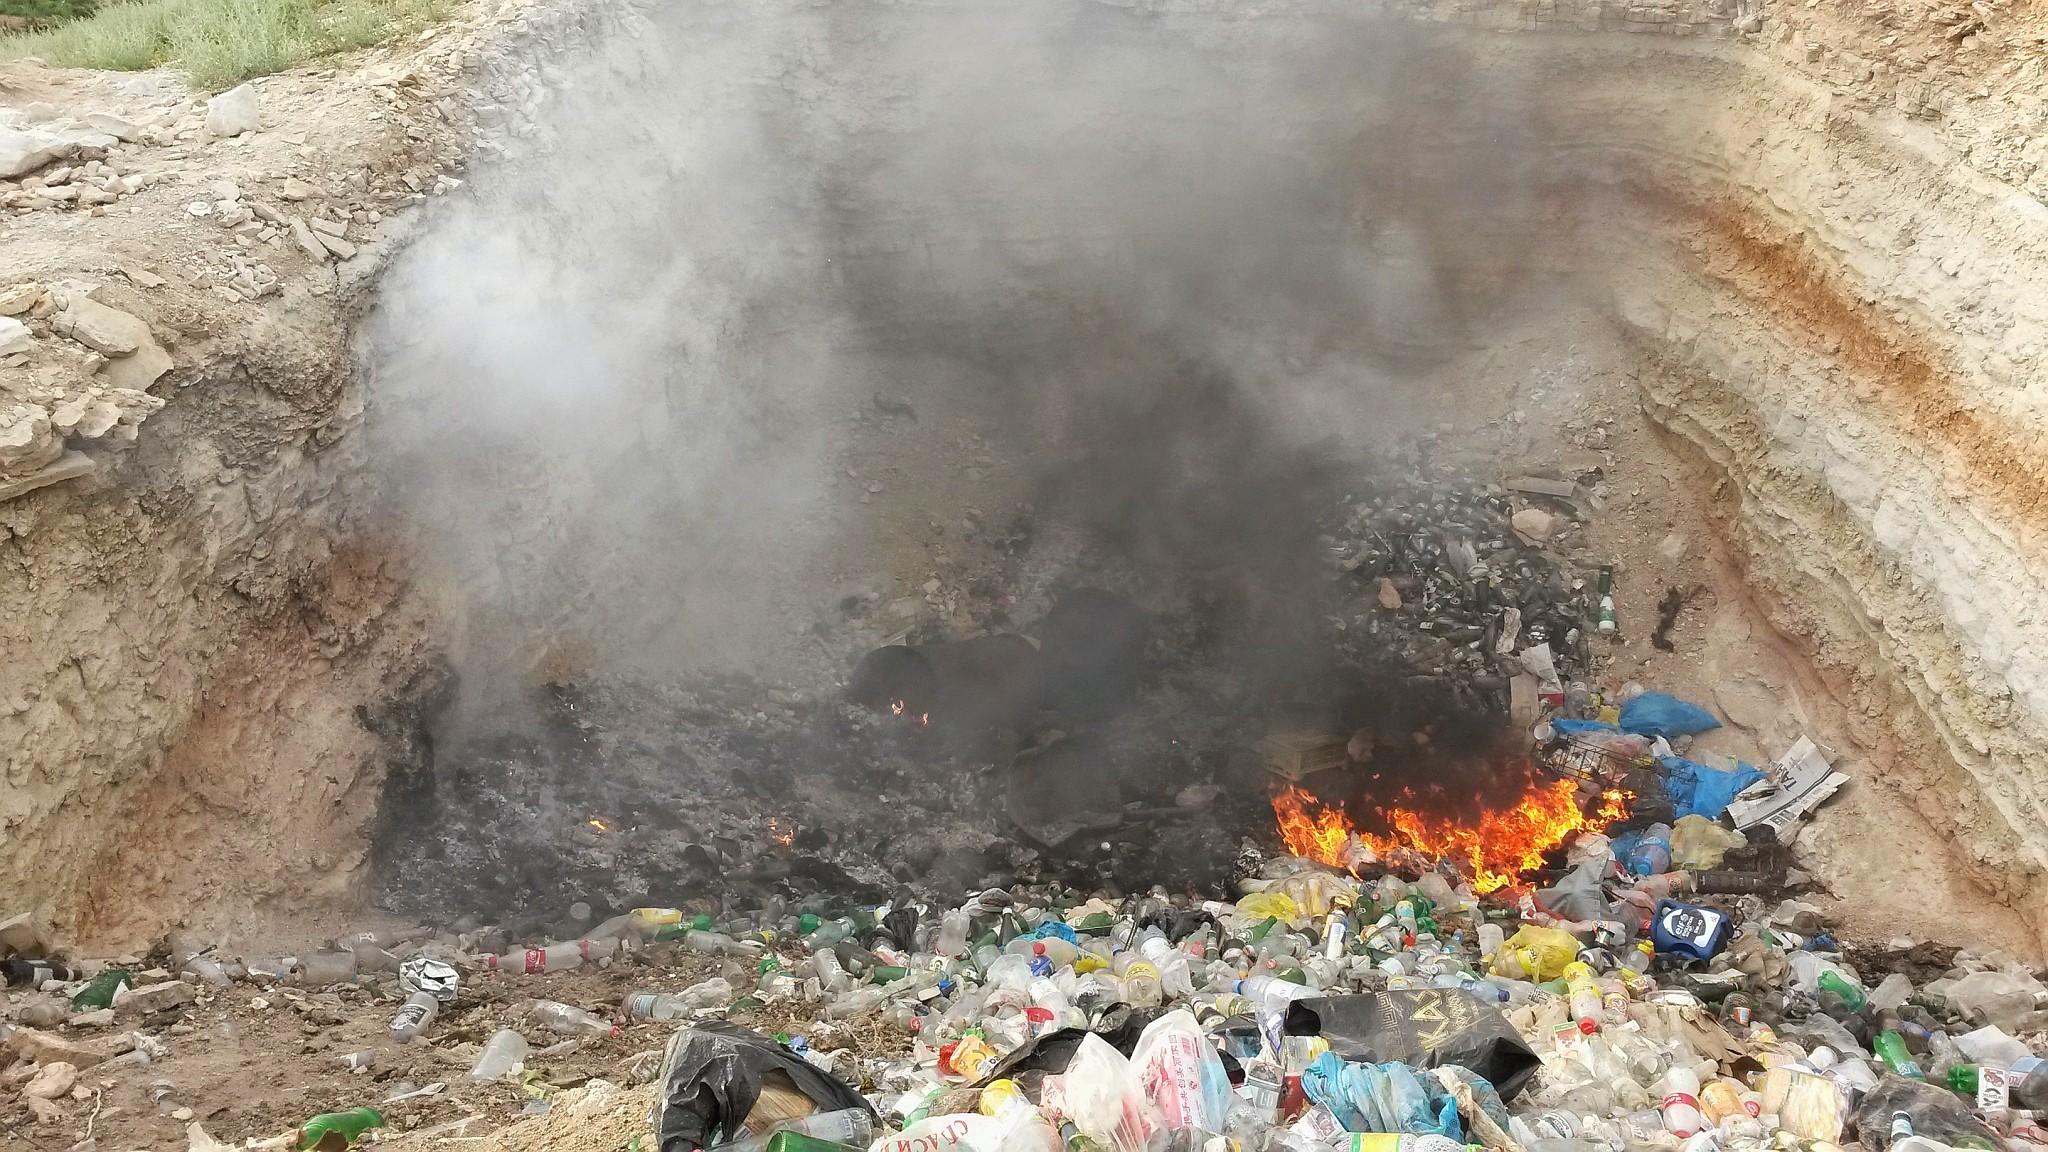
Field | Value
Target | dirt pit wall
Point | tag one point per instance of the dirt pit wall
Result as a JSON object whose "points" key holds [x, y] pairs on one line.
{"points": [[640, 385]]}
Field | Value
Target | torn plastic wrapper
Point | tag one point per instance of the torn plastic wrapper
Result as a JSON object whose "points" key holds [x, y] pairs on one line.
{"points": [[1424, 1027], [714, 1075]]}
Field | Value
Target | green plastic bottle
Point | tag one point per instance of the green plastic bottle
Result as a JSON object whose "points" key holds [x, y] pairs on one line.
{"points": [[331, 1131], [1891, 1048], [1851, 995], [1963, 1078], [100, 993]]}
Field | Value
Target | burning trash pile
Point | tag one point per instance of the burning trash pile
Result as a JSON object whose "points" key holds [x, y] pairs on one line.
{"points": [[1633, 1001]]}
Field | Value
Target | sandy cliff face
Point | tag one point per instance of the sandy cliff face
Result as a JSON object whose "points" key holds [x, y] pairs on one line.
{"points": [[1819, 231]]}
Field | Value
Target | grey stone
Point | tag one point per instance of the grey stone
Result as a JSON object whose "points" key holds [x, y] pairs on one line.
{"points": [[22, 152], [114, 126], [155, 998], [109, 331], [233, 112]]}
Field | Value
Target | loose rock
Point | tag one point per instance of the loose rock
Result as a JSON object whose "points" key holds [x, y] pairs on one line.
{"points": [[233, 112]]}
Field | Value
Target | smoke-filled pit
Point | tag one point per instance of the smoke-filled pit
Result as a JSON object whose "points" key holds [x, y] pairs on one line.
{"points": [[805, 339]]}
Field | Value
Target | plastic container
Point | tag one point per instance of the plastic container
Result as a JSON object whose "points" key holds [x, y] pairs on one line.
{"points": [[507, 1050], [350, 1125], [713, 993], [569, 1020], [415, 1017]]}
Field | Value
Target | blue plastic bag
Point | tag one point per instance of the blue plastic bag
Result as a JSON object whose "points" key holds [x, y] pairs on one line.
{"points": [[1697, 790], [1390, 1097], [1656, 714]]}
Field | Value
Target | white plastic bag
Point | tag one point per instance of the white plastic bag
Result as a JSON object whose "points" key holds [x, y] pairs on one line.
{"points": [[1182, 1075], [1101, 1093]]}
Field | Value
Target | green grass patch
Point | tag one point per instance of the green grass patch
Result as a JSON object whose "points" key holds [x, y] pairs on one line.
{"points": [[47, 12], [220, 43]]}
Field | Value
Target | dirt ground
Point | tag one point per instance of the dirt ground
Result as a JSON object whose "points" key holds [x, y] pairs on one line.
{"points": [[254, 1062]]}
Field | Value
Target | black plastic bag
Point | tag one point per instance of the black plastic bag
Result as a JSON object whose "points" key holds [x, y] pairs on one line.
{"points": [[1935, 1113], [712, 1074], [1424, 1027]]}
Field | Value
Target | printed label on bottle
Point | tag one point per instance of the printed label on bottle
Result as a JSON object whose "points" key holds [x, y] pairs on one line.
{"points": [[536, 961], [1139, 968], [1994, 1089], [1682, 1099]]}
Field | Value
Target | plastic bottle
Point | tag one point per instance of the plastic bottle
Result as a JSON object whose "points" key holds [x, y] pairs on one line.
{"points": [[1491, 937], [415, 1017], [1681, 1102], [1651, 854], [853, 1127], [952, 939], [570, 1020], [506, 1051], [720, 944], [1141, 985], [1170, 962], [207, 969], [1585, 999], [1832, 980], [855, 1002], [713, 993], [350, 1124], [2030, 1084], [557, 957]]}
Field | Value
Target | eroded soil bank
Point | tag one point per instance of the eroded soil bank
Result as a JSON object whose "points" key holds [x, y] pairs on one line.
{"points": [[1778, 266]]}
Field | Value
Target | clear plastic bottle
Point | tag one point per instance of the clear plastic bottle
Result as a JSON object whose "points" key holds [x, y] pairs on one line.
{"points": [[569, 1020], [853, 1127], [1651, 855], [855, 1003], [713, 993], [720, 944], [506, 1051], [415, 1017], [208, 969], [952, 939], [1170, 962], [557, 957], [830, 972]]}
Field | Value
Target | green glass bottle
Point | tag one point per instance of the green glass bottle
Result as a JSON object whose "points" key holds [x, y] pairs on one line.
{"points": [[332, 1131], [100, 993], [1891, 1048]]}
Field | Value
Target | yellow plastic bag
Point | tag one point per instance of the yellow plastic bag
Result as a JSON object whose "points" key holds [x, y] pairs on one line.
{"points": [[1260, 905], [1697, 842], [1536, 954]]}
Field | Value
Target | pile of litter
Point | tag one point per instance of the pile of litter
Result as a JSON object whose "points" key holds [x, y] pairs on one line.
{"points": [[1319, 1010]]}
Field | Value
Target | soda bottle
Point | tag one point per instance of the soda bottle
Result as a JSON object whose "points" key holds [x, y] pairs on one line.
{"points": [[415, 1017], [570, 1021], [713, 993], [349, 1125], [1681, 1102], [1606, 592], [952, 940], [1852, 996], [1891, 1048]]}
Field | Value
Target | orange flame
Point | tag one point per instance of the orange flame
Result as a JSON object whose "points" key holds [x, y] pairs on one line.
{"points": [[600, 825], [1495, 849], [782, 831]]}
